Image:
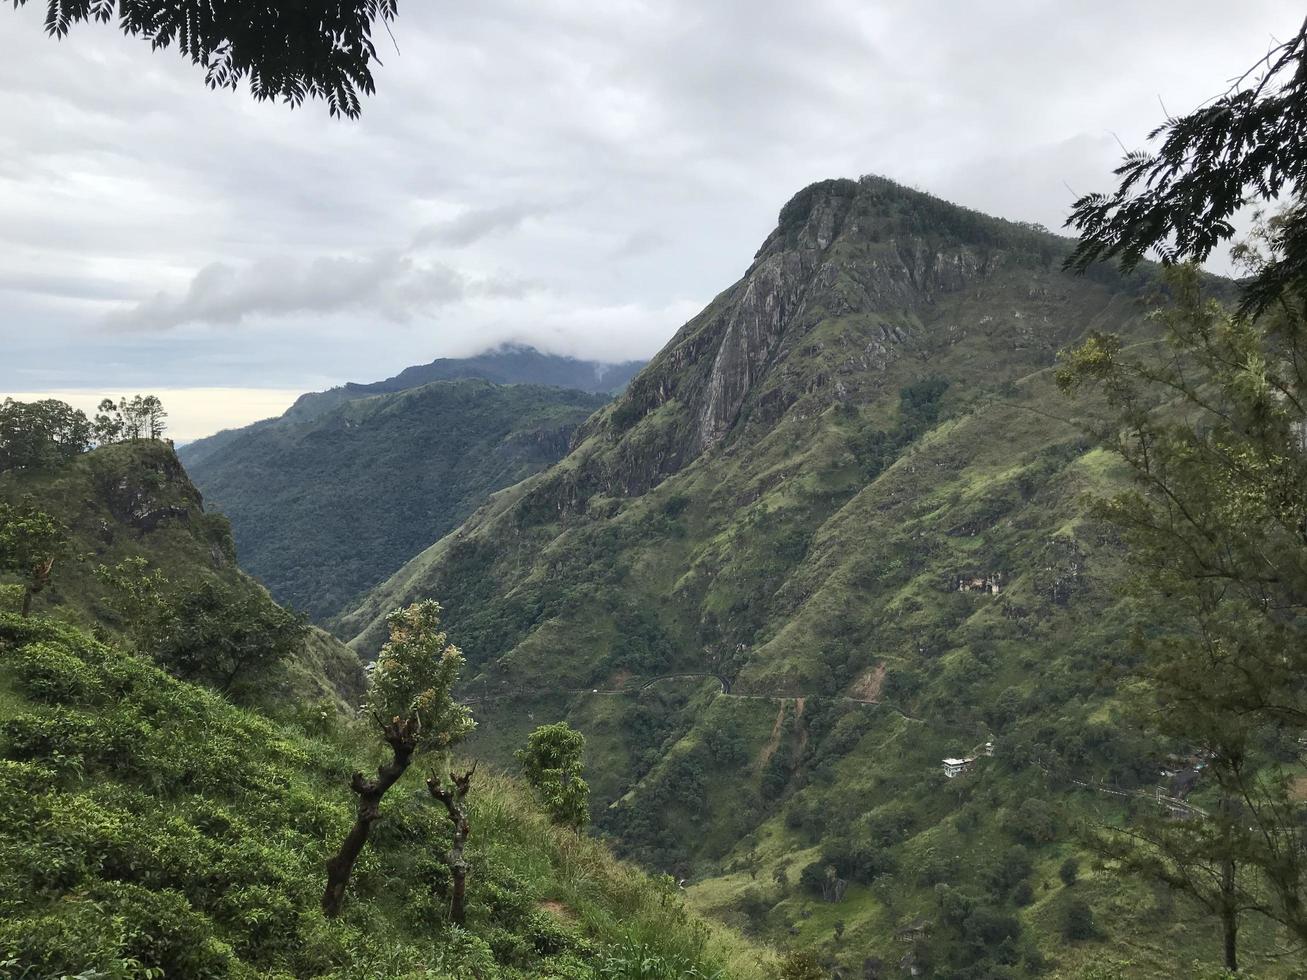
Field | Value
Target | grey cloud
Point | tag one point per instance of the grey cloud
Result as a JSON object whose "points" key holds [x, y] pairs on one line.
{"points": [[599, 170], [640, 243], [475, 224], [393, 285]]}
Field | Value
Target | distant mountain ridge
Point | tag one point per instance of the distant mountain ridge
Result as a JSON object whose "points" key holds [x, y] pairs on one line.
{"points": [[507, 364], [326, 505]]}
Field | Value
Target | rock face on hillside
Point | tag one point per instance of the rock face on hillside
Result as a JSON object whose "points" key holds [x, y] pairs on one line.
{"points": [[868, 252], [851, 473]]}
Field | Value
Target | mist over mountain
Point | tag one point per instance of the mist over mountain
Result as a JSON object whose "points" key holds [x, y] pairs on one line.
{"points": [[507, 364]]}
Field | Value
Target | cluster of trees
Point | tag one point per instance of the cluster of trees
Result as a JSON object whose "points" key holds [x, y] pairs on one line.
{"points": [[141, 417], [208, 633], [1212, 428], [39, 434]]}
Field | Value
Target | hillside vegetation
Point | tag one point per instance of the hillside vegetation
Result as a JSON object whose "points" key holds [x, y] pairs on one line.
{"points": [[324, 506], [848, 501], [133, 500], [148, 828]]}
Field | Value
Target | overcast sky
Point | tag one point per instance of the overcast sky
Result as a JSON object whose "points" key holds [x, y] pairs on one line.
{"points": [[583, 176]]}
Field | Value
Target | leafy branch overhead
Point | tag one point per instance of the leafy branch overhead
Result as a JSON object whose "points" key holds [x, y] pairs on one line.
{"points": [[1180, 201], [320, 49]]}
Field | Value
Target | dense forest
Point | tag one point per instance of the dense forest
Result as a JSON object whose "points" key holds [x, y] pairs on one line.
{"points": [[325, 506]]}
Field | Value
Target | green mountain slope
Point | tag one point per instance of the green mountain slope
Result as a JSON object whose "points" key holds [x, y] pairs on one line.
{"points": [[324, 508], [134, 500], [507, 364], [150, 829], [847, 497]]}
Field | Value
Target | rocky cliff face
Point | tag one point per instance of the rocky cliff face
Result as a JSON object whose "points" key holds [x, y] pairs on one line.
{"points": [[842, 248]]}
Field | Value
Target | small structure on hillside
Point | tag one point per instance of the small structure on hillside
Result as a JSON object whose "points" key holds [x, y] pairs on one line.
{"points": [[913, 930], [956, 767], [990, 583]]}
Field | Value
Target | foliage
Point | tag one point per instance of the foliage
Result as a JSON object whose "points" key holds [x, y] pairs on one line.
{"points": [[219, 635], [147, 825], [30, 542], [311, 50], [1069, 871], [1077, 919], [802, 964], [139, 539], [137, 597], [41, 434], [1215, 524], [414, 679], [1180, 200], [408, 467], [204, 632], [48, 433], [553, 763], [142, 417]]}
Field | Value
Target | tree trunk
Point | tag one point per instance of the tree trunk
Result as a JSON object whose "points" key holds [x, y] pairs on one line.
{"points": [[402, 738], [1229, 918], [40, 577], [453, 800]]}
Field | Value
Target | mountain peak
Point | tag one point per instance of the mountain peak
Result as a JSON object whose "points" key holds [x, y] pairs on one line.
{"points": [[856, 274]]}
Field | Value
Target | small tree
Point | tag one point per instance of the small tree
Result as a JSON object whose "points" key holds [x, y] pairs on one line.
{"points": [[1077, 920], [1069, 872], [30, 541], [107, 426], [454, 798], [136, 596], [154, 415], [218, 635], [134, 417], [411, 702], [552, 763]]}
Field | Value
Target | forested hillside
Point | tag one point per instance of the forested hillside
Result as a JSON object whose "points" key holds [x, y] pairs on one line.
{"points": [[149, 825], [132, 501], [507, 364], [179, 758], [842, 515], [325, 506]]}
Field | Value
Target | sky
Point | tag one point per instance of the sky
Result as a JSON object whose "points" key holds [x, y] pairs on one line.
{"points": [[580, 176]]}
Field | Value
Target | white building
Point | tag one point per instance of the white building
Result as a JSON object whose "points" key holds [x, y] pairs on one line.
{"points": [[956, 767]]}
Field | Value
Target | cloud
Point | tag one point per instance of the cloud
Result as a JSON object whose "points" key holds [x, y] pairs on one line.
{"points": [[640, 243], [475, 224], [579, 176], [387, 283]]}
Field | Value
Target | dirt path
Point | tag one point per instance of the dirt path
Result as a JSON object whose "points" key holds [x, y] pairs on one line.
{"points": [[773, 740]]}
